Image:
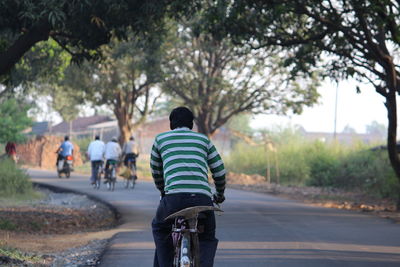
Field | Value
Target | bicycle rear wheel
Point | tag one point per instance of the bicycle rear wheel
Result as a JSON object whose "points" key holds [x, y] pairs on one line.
{"points": [[195, 250], [98, 178], [185, 253]]}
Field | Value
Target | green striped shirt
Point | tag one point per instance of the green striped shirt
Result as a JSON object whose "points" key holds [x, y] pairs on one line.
{"points": [[180, 160]]}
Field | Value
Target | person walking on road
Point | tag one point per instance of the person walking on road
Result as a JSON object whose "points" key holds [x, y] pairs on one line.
{"points": [[95, 153], [180, 159]]}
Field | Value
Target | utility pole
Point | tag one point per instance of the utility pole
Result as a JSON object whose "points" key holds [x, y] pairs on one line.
{"points": [[335, 118]]}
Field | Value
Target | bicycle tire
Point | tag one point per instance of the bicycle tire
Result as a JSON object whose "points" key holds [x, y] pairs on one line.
{"points": [[98, 176], [195, 250], [185, 253]]}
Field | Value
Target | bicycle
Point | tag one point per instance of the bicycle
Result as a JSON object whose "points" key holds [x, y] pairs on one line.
{"points": [[111, 174], [132, 176], [185, 235], [98, 165]]}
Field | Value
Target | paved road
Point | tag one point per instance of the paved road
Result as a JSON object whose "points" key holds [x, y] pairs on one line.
{"points": [[255, 230]]}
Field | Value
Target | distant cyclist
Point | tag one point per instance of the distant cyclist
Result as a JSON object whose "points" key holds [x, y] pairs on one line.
{"points": [[66, 149], [130, 152], [179, 164], [95, 153], [112, 152]]}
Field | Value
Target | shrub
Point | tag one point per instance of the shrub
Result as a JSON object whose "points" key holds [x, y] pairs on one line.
{"points": [[299, 162], [13, 181], [369, 171], [323, 161], [247, 159], [83, 144], [292, 164]]}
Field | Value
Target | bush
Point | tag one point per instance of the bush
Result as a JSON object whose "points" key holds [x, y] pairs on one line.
{"points": [[300, 162], [13, 181], [369, 171], [83, 144], [323, 161], [247, 159], [292, 164]]}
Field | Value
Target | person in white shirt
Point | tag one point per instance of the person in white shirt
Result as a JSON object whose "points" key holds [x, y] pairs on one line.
{"points": [[95, 153], [113, 152]]}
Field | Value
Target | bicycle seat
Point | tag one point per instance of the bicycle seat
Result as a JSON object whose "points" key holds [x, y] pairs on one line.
{"points": [[191, 212]]}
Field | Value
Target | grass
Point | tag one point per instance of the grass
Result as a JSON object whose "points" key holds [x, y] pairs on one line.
{"points": [[7, 225], [19, 255], [303, 163], [143, 168], [85, 168], [15, 185]]}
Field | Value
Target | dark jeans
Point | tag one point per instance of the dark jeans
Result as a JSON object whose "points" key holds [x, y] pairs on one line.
{"points": [[162, 229], [130, 157], [59, 157], [94, 164]]}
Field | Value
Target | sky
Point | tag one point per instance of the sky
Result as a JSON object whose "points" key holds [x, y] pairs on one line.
{"points": [[355, 110]]}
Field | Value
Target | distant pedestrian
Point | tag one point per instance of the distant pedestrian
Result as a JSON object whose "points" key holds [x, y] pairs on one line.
{"points": [[11, 151]]}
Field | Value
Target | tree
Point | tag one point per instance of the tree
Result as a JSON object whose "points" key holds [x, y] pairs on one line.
{"points": [[44, 63], [377, 129], [80, 27], [40, 73], [349, 130], [14, 120], [356, 38], [218, 80], [122, 81]]}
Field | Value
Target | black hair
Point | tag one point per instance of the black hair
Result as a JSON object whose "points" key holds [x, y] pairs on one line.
{"points": [[97, 137], [131, 138], [181, 117], [66, 138]]}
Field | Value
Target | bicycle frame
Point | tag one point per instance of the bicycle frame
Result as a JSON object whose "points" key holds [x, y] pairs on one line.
{"points": [[111, 175]]}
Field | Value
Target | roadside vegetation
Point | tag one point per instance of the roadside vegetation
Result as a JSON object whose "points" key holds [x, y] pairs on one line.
{"points": [[16, 257], [292, 160], [15, 186]]}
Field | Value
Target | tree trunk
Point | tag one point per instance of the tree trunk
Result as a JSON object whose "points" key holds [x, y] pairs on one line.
{"points": [[23, 44], [124, 122], [202, 124], [392, 136]]}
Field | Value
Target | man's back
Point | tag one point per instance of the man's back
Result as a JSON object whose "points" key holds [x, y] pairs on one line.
{"points": [[130, 147], [66, 148], [113, 150], [96, 150], [180, 158]]}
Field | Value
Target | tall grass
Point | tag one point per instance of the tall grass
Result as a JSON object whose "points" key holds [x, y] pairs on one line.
{"points": [[14, 182], [295, 161]]}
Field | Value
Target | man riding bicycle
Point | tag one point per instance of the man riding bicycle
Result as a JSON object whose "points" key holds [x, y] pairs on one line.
{"points": [[112, 153], [180, 159], [130, 151], [95, 153]]}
